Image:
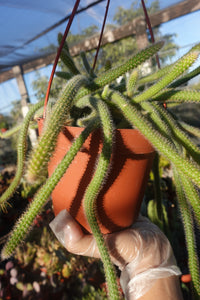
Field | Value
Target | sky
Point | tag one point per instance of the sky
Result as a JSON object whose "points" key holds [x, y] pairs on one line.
{"points": [[185, 29]]}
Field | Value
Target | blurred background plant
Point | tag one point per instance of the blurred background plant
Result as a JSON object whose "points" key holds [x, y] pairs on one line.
{"points": [[42, 267]]}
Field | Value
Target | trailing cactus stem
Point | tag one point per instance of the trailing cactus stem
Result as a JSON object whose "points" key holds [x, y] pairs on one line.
{"points": [[68, 61], [37, 165], [178, 132], [92, 193], [131, 83], [112, 74], [155, 116], [157, 187], [189, 232], [25, 222], [155, 76], [178, 96], [192, 196], [8, 133], [65, 45], [195, 131], [185, 78], [182, 65], [21, 151], [86, 64], [64, 75], [87, 101], [161, 143]]}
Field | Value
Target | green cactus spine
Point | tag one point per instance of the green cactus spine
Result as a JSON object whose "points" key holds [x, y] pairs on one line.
{"points": [[131, 83], [185, 78], [64, 75], [68, 61], [8, 133], [86, 64], [155, 76], [112, 74], [92, 193], [182, 65], [25, 222], [157, 188], [189, 233], [194, 131], [37, 164], [177, 96], [161, 143], [180, 135], [21, 151]]}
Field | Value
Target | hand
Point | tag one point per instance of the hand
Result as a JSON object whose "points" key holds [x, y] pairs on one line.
{"points": [[142, 252]]}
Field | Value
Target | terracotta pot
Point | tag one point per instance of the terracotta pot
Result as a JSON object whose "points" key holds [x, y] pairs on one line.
{"points": [[119, 201]]}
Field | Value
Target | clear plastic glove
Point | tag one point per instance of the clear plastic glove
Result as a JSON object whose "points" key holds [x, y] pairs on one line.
{"points": [[142, 252]]}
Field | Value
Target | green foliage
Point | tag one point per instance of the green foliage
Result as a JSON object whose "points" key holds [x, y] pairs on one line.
{"points": [[123, 15], [99, 101], [188, 229], [40, 86], [21, 150], [42, 267], [3, 122], [154, 217]]}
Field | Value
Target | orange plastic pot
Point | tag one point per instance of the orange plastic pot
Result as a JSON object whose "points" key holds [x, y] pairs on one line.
{"points": [[119, 201]]}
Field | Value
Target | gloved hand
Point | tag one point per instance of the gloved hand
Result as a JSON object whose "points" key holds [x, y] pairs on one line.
{"points": [[142, 252]]}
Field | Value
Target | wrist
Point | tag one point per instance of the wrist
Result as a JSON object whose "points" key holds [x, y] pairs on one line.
{"points": [[137, 278]]}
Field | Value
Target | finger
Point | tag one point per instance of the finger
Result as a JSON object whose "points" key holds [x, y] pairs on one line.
{"points": [[71, 236]]}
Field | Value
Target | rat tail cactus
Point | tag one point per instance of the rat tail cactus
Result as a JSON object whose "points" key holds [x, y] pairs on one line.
{"points": [[99, 102]]}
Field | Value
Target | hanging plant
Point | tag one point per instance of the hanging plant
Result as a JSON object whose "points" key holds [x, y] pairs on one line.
{"points": [[97, 107]]}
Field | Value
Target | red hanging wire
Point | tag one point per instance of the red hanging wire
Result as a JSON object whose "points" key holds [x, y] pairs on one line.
{"points": [[152, 37], [58, 55], [150, 29], [101, 35]]}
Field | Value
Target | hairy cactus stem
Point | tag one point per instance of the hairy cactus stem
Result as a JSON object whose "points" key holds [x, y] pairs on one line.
{"points": [[92, 192], [25, 222], [179, 67], [190, 129], [86, 64], [185, 78], [178, 96], [8, 133], [21, 151], [178, 132], [157, 187], [37, 165], [64, 75], [189, 232], [87, 101], [155, 116], [69, 62], [112, 74], [192, 196], [131, 83], [155, 76], [147, 128]]}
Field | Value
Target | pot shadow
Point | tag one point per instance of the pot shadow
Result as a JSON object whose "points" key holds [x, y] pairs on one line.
{"points": [[117, 164], [118, 160], [95, 143]]}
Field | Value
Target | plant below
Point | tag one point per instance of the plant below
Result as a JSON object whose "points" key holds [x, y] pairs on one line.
{"points": [[95, 101], [42, 268]]}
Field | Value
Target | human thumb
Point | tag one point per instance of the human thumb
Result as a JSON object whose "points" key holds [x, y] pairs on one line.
{"points": [[71, 236], [66, 229]]}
